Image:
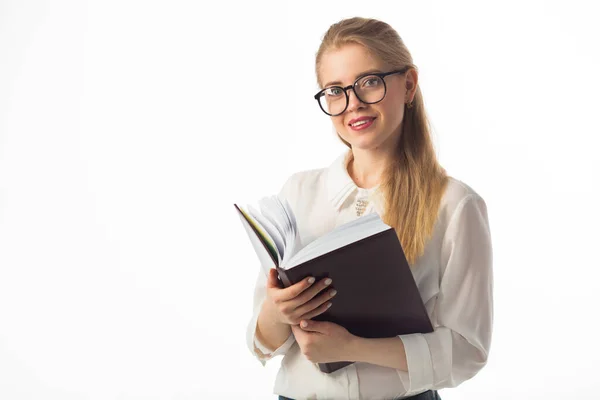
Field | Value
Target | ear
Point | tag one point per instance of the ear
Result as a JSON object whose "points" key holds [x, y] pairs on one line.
{"points": [[412, 78]]}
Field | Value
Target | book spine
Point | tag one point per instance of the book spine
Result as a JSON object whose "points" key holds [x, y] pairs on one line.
{"points": [[328, 368], [284, 277]]}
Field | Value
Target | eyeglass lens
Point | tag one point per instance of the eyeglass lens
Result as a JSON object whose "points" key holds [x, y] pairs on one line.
{"points": [[369, 89]]}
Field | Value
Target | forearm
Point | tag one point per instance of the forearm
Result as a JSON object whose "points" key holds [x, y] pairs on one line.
{"points": [[387, 352], [269, 331]]}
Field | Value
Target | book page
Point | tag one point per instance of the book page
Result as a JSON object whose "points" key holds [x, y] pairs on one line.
{"points": [[271, 230], [295, 245], [341, 236], [277, 225], [265, 259], [272, 212], [280, 214]]}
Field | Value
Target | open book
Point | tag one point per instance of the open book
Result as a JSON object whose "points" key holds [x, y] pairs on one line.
{"points": [[376, 296], [276, 227]]}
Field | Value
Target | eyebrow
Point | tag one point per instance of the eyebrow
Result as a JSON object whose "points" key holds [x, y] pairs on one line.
{"points": [[365, 73]]}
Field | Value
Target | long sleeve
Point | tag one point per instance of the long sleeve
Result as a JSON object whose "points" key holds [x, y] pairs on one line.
{"points": [[254, 345], [260, 351], [458, 348]]}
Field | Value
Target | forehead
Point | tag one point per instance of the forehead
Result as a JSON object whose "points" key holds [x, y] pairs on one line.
{"points": [[345, 64]]}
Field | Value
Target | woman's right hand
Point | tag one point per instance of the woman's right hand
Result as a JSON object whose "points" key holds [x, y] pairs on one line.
{"points": [[303, 300]]}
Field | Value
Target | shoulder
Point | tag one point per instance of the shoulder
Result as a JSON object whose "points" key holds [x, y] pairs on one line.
{"points": [[306, 181], [458, 192], [458, 196], [331, 181]]}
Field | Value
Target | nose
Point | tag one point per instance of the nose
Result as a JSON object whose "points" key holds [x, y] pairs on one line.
{"points": [[354, 102]]}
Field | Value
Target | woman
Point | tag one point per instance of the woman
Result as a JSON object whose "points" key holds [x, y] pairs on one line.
{"points": [[370, 91]]}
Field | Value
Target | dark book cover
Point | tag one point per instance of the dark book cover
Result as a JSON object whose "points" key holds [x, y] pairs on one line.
{"points": [[377, 296]]}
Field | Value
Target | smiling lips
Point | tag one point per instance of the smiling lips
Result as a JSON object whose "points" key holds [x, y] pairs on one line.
{"points": [[360, 123]]}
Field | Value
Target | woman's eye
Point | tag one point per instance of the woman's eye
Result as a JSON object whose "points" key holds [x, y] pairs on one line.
{"points": [[371, 81], [334, 92]]}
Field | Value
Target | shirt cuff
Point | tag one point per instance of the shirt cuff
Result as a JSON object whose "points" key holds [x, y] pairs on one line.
{"points": [[265, 354], [418, 358]]}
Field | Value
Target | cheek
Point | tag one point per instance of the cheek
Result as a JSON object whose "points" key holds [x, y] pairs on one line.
{"points": [[338, 123], [394, 113]]}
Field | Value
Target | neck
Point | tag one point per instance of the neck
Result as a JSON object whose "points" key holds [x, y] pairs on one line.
{"points": [[367, 166]]}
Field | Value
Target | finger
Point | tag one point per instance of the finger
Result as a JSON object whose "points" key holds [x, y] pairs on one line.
{"points": [[317, 311], [310, 294], [314, 290], [273, 279], [293, 291], [297, 331], [295, 307], [314, 326], [315, 303]]}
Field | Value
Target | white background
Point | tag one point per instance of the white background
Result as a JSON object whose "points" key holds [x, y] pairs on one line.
{"points": [[128, 129]]}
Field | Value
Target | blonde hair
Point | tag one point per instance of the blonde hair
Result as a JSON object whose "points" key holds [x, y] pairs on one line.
{"points": [[414, 182]]}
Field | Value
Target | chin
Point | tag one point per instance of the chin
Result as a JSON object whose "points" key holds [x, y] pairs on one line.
{"points": [[370, 140], [363, 142]]}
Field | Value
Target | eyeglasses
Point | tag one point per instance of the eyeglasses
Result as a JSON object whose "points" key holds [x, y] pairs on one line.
{"points": [[369, 89]]}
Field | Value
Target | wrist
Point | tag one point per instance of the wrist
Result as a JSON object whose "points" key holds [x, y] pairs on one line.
{"points": [[355, 348], [386, 352], [272, 314], [270, 332]]}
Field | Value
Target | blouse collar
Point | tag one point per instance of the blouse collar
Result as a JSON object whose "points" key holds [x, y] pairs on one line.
{"points": [[339, 183]]}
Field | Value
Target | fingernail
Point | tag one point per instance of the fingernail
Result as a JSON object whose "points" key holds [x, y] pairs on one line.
{"points": [[311, 280], [327, 282], [333, 293], [329, 305], [303, 324]]}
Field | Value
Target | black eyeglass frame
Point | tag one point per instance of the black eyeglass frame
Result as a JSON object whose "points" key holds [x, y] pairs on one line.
{"points": [[380, 75]]}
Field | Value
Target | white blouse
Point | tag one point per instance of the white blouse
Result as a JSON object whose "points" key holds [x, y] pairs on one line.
{"points": [[454, 277]]}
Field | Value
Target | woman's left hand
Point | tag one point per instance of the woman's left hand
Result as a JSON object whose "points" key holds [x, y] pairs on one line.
{"points": [[322, 341]]}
